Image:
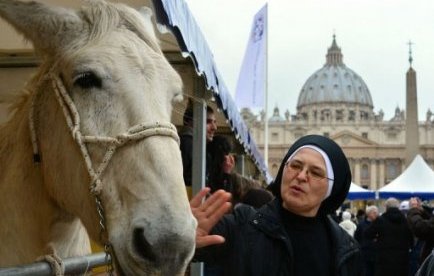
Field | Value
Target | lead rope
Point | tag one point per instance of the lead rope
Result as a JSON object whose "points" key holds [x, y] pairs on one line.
{"points": [[55, 262], [137, 132]]}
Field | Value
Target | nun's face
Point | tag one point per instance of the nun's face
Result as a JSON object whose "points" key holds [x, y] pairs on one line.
{"points": [[304, 185]]}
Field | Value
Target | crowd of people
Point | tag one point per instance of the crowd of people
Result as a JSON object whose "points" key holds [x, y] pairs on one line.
{"points": [[288, 228], [396, 242]]}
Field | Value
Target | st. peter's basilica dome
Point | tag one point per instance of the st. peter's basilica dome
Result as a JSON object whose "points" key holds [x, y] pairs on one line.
{"points": [[335, 86]]}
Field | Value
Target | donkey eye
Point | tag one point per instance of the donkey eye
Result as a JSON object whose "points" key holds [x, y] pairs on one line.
{"points": [[87, 80]]}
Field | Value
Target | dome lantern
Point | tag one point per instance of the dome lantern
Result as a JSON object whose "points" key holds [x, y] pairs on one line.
{"points": [[334, 55]]}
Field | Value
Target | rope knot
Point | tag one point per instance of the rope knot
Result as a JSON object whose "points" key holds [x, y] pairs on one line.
{"points": [[121, 139], [55, 262], [96, 187]]}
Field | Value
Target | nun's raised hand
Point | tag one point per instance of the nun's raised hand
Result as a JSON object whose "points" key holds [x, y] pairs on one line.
{"points": [[208, 213]]}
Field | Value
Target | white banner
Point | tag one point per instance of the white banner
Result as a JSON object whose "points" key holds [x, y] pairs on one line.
{"points": [[251, 84]]}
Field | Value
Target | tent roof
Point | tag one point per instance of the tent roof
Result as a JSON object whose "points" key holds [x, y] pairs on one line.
{"points": [[187, 38], [176, 16], [357, 192], [416, 180]]}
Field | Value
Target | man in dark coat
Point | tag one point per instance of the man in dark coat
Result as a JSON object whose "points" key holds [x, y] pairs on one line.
{"points": [[367, 245], [394, 240], [293, 234], [221, 171], [421, 221], [186, 141]]}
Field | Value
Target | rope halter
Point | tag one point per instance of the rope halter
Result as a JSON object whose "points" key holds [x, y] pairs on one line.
{"points": [[135, 133]]}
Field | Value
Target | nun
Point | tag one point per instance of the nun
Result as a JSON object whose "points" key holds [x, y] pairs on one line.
{"points": [[292, 235]]}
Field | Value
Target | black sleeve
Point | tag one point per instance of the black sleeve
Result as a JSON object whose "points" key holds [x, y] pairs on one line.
{"points": [[186, 146], [228, 227], [358, 233], [372, 231]]}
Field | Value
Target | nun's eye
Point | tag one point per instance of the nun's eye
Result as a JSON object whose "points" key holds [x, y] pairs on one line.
{"points": [[87, 80]]}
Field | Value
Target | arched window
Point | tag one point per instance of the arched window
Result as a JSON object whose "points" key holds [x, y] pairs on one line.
{"points": [[339, 115], [392, 170], [364, 172], [351, 115]]}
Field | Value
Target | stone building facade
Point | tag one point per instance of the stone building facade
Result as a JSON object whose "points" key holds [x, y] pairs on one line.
{"points": [[336, 102]]}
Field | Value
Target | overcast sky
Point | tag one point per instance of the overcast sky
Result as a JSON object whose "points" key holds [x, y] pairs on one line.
{"points": [[373, 36]]}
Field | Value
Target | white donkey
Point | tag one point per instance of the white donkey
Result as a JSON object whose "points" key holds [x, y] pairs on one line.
{"points": [[96, 117]]}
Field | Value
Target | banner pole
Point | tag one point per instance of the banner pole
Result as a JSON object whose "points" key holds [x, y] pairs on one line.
{"points": [[266, 94]]}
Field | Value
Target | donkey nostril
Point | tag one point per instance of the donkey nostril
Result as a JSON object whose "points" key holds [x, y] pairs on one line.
{"points": [[142, 246]]}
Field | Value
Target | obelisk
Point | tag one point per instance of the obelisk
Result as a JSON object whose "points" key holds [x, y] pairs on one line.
{"points": [[411, 120]]}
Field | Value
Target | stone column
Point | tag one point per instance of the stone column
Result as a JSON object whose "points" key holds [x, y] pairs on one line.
{"points": [[311, 117], [357, 171], [381, 174], [374, 185], [357, 116]]}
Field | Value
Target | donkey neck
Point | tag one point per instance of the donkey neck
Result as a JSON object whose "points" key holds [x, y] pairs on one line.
{"points": [[31, 219]]}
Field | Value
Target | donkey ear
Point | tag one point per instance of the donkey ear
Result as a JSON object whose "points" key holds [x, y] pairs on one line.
{"points": [[45, 26]]}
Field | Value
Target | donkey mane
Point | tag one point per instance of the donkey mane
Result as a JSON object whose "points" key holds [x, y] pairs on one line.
{"points": [[104, 19], [18, 104]]}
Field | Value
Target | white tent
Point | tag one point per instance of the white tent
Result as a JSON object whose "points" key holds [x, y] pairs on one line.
{"points": [[416, 180], [357, 192]]}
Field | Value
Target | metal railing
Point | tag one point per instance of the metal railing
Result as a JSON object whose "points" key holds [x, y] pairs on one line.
{"points": [[76, 265]]}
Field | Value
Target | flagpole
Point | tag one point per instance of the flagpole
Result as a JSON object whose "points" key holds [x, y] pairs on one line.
{"points": [[266, 95]]}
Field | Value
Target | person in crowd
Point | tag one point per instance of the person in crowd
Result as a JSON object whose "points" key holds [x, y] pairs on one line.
{"points": [[393, 241], [221, 171], [347, 224], [404, 206], [418, 244], [360, 215], [421, 221], [367, 244], [291, 235], [186, 140]]}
